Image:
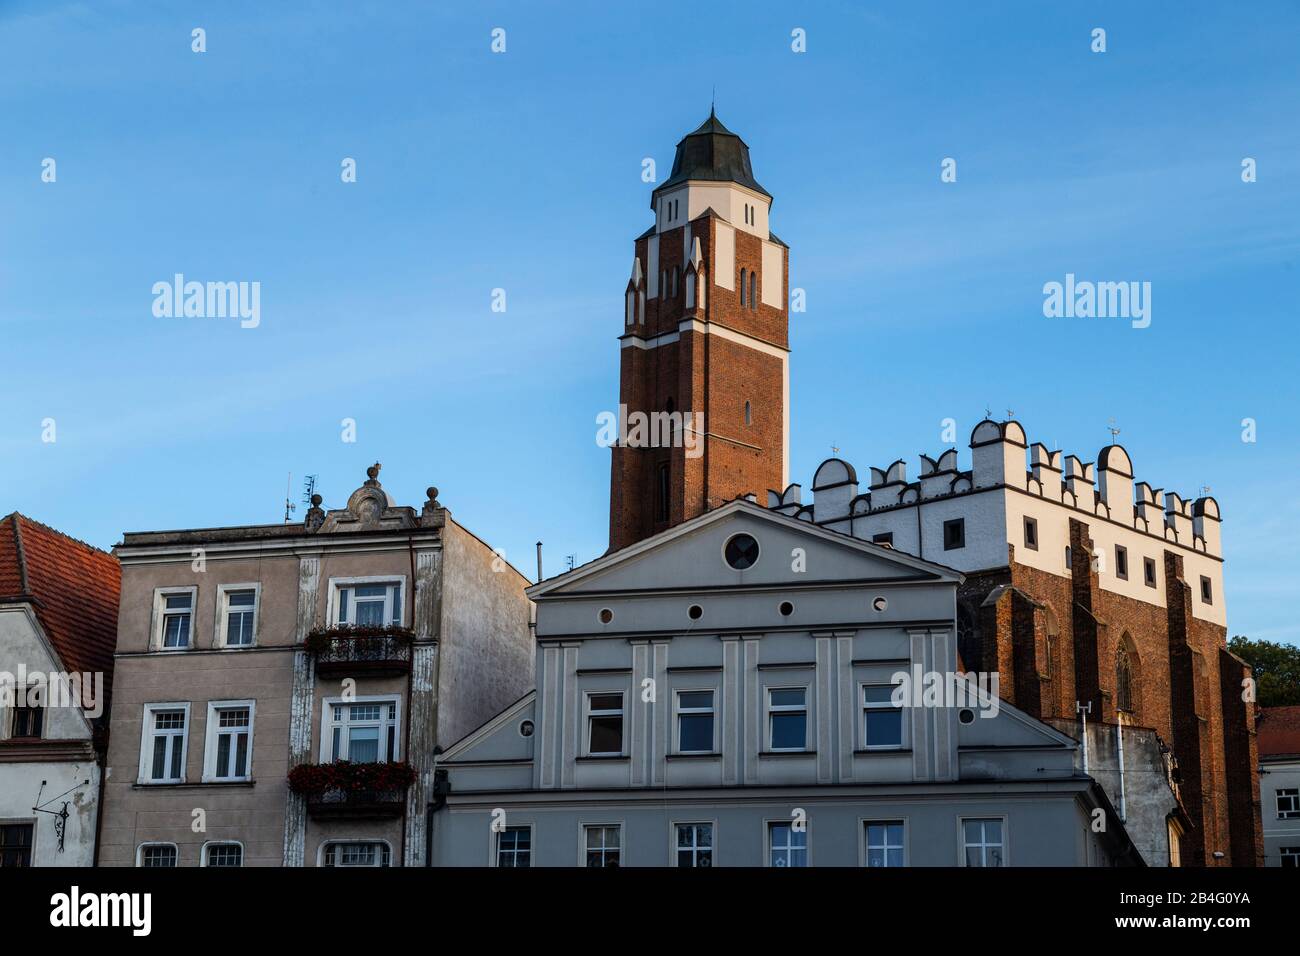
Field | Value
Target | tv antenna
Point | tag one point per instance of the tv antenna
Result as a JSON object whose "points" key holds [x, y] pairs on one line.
{"points": [[308, 488], [571, 560], [1113, 429], [289, 506]]}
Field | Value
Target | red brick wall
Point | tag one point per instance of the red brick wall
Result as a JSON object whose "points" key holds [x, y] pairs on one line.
{"points": [[702, 373], [1186, 685]]}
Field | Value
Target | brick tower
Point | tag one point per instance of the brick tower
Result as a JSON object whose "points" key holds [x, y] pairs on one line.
{"points": [[705, 346]]}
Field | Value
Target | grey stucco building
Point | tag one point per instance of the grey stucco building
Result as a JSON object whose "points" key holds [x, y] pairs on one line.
{"points": [[281, 689], [720, 695]]}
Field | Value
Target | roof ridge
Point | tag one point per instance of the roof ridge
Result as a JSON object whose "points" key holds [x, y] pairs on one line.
{"points": [[19, 554], [61, 534]]}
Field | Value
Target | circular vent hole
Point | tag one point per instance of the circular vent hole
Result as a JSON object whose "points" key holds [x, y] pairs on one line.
{"points": [[526, 728], [605, 615], [741, 551], [880, 604], [966, 716], [695, 612], [786, 609]]}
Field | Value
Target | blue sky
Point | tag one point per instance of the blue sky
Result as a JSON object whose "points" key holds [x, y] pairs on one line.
{"points": [[522, 171]]}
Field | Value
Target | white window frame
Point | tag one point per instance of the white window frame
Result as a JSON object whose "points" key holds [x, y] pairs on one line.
{"points": [[327, 724], [495, 849], [139, 853], [144, 777], [1291, 794], [223, 614], [768, 847], [213, 731], [610, 824], [203, 853], [865, 708], [338, 585], [679, 712], [673, 848], [1288, 853], [865, 839], [787, 709], [158, 626], [588, 713], [962, 844], [326, 844]]}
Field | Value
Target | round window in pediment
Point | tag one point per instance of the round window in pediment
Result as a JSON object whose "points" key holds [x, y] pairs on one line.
{"points": [[741, 552]]}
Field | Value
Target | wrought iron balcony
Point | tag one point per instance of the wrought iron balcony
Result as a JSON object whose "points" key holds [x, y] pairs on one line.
{"points": [[346, 650]]}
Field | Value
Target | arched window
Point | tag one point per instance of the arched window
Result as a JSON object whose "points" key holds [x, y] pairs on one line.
{"points": [[753, 296], [677, 274], [742, 288], [1124, 665], [748, 418]]}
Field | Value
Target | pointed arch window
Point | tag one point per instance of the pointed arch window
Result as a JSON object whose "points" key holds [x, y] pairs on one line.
{"points": [[1124, 679], [753, 291], [743, 274]]}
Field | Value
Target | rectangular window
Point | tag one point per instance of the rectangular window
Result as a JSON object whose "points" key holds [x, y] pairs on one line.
{"points": [[787, 719], [1031, 533], [1121, 562], [1149, 571], [884, 843], [954, 534], [515, 847], [239, 610], [694, 845], [223, 855], [158, 855], [983, 842], [882, 722], [16, 844], [178, 610], [1207, 591], [363, 731], [787, 846], [603, 845], [605, 725], [370, 853], [229, 752], [166, 732], [663, 494], [884, 537], [370, 605], [695, 721], [1290, 857], [1288, 804], [29, 721]]}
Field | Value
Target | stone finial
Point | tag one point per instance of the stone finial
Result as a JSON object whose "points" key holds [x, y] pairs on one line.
{"points": [[315, 514], [432, 504], [372, 474]]}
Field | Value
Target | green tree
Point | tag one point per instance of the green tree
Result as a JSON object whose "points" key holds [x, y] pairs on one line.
{"points": [[1276, 668]]}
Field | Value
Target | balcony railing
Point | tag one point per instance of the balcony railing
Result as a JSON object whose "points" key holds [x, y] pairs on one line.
{"points": [[348, 649], [353, 790]]}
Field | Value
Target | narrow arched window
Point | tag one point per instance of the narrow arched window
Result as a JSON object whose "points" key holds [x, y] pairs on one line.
{"points": [[753, 295], [748, 418], [677, 274], [742, 288], [1123, 681]]}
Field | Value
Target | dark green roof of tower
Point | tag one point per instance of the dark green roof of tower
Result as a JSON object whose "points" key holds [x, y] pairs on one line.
{"points": [[712, 153]]}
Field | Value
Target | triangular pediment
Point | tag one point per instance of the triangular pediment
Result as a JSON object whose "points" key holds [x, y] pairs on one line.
{"points": [[691, 556]]}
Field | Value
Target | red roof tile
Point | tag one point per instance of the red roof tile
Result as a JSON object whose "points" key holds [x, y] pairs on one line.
{"points": [[1278, 731], [73, 588]]}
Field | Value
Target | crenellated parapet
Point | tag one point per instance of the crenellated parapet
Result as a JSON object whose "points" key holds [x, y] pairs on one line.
{"points": [[1002, 458]]}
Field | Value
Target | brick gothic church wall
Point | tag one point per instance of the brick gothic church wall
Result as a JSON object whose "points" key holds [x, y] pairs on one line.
{"points": [[1185, 684]]}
